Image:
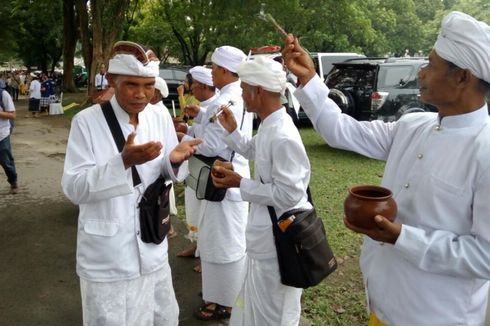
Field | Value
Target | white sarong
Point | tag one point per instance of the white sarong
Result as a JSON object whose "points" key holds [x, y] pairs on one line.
{"points": [[148, 300], [263, 299]]}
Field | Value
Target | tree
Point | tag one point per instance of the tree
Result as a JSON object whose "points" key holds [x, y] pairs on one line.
{"points": [[70, 37]]}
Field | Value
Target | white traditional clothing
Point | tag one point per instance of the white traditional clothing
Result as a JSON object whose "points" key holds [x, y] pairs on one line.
{"points": [[228, 57], [192, 204], [437, 272], [101, 81], [109, 245], [282, 174], [202, 75], [222, 224]]}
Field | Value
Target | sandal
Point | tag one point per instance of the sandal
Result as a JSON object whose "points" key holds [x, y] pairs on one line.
{"points": [[206, 313]]}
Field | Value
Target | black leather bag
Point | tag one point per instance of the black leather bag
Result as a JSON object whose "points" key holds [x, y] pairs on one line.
{"points": [[155, 203], [200, 179], [155, 212], [304, 255]]}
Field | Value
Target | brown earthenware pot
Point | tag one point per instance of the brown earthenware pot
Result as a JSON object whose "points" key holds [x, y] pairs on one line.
{"points": [[180, 125], [364, 202]]}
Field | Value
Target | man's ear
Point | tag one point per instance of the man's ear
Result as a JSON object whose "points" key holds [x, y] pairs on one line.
{"points": [[463, 77], [111, 79]]}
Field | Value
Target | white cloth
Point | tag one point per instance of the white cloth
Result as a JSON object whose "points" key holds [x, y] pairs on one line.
{"points": [[148, 300], [282, 164], [127, 64], [222, 231], [8, 106], [202, 75], [101, 81], [282, 174], [465, 41], [213, 133], [109, 246], [439, 173], [221, 282], [263, 72], [263, 299], [161, 85], [228, 57], [35, 89]]}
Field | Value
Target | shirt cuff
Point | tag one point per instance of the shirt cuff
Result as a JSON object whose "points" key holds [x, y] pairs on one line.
{"points": [[410, 242]]}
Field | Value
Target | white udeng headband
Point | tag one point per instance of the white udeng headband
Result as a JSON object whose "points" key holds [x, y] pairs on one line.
{"points": [[263, 72], [127, 64], [202, 75]]}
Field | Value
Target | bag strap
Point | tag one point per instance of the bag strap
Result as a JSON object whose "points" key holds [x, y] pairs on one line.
{"points": [[118, 136]]}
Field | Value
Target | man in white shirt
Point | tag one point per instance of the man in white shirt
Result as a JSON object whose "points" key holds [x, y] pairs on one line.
{"points": [[123, 280], [430, 266], [101, 78], [34, 96], [7, 113], [203, 90], [221, 243], [282, 174]]}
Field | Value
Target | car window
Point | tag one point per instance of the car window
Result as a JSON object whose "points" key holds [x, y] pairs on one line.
{"points": [[175, 74], [393, 76], [356, 76]]}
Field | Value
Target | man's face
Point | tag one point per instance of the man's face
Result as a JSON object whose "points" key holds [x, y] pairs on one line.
{"points": [[437, 82], [102, 69], [250, 97], [217, 74], [197, 90], [132, 93]]}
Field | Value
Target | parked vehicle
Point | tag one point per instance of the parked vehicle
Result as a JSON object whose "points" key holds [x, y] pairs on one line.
{"points": [[174, 75], [80, 76], [377, 88], [324, 60]]}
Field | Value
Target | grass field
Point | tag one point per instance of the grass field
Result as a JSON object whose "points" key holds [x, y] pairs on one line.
{"points": [[338, 300]]}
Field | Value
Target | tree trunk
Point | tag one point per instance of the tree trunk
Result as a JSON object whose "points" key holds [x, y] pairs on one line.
{"points": [[82, 10], [69, 44]]}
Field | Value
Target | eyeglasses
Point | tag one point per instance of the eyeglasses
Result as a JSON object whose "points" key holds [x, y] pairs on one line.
{"points": [[127, 47]]}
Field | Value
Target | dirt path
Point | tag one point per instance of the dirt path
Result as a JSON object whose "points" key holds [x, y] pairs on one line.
{"points": [[38, 284]]}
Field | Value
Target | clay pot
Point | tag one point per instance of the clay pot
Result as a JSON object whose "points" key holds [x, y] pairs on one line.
{"points": [[365, 202]]}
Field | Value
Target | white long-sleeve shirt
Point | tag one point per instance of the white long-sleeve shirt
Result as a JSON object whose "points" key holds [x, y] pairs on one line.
{"points": [[196, 130], [213, 133], [282, 164], [109, 246], [35, 89], [8, 106], [439, 171]]}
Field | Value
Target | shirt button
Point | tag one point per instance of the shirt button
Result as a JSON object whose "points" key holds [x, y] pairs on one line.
{"points": [[419, 156], [438, 128], [406, 185], [138, 232]]}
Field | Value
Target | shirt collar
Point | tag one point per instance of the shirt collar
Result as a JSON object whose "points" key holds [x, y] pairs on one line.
{"points": [[471, 119], [209, 100], [274, 117]]}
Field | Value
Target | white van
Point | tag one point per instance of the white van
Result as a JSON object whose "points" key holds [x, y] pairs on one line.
{"points": [[324, 60]]}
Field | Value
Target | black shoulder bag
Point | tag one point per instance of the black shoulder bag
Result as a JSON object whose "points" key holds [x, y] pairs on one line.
{"points": [[154, 205], [200, 178], [304, 255]]}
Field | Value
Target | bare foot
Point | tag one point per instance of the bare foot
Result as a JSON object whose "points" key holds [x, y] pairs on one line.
{"points": [[189, 252]]}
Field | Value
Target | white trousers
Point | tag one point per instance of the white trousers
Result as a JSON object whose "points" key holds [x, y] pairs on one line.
{"points": [[148, 300]]}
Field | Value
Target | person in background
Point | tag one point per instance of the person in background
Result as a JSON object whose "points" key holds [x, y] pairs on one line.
{"points": [[34, 96], [431, 266], [203, 89], [7, 113], [185, 93], [101, 79], [282, 175], [123, 280]]}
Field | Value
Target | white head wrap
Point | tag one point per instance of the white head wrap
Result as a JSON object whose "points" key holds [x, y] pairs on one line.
{"points": [[465, 41], [228, 57], [263, 72], [127, 64], [161, 85], [202, 75]]}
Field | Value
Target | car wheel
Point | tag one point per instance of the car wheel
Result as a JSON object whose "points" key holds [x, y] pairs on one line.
{"points": [[344, 100]]}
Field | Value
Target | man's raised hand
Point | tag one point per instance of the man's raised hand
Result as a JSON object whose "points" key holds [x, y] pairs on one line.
{"points": [[133, 154]]}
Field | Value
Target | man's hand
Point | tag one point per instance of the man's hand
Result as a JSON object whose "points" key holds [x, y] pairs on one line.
{"points": [[386, 231], [297, 60], [184, 150], [180, 90], [133, 154], [225, 178], [227, 119], [192, 110]]}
